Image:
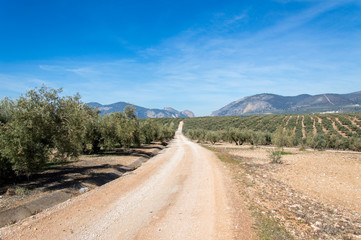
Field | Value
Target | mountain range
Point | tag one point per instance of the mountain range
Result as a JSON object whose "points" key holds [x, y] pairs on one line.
{"points": [[275, 104], [141, 112]]}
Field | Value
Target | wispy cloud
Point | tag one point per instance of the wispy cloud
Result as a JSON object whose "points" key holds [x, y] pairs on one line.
{"points": [[14, 85], [204, 68]]}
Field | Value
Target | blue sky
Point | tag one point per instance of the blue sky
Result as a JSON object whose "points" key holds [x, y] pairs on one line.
{"points": [[196, 55]]}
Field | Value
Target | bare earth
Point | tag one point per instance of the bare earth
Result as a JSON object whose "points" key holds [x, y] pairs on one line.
{"points": [[182, 193], [313, 194], [330, 176]]}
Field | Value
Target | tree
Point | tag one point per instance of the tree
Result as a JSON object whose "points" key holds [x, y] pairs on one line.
{"points": [[278, 138], [43, 127], [30, 135], [212, 136], [93, 135], [318, 141], [149, 131], [71, 117], [355, 143], [7, 108]]}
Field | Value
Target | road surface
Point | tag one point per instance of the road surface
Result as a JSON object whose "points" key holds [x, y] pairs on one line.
{"points": [[179, 194]]}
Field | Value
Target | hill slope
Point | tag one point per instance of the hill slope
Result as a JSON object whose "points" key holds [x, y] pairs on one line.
{"points": [[142, 112], [275, 104]]}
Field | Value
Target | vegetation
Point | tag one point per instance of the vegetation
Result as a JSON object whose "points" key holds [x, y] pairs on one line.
{"points": [[318, 131], [42, 127], [269, 228], [275, 156]]}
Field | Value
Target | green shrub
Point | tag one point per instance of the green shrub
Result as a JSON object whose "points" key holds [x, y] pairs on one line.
{"points": [[22, 191], [275, 156]]}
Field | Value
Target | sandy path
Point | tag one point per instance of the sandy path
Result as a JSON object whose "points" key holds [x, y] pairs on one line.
{"points": [[179, 194]]}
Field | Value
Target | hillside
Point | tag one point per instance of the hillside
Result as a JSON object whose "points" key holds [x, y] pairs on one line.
{"points": [[275, 104], [142, 112]]}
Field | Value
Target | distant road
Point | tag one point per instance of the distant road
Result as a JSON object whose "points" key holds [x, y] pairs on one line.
{"points": [[179, 194]]}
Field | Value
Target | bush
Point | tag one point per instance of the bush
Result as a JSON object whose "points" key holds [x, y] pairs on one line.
{"points": [[22, 191], [275, 156]]}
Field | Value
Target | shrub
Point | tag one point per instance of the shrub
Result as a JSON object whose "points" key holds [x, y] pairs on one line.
{"points": [[275, 156], [22, 191]]}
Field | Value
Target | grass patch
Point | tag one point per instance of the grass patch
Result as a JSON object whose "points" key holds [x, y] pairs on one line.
{"points": [[210, 148], [55, 164], [22, 191], [226, 157], [223, 155], [284, 153], [268, 228], [237, 148]]}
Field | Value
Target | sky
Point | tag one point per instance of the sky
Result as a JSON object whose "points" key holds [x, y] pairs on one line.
{"points": [[191, 54]]}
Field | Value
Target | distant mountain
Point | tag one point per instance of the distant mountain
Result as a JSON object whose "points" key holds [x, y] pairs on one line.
{"points": [[141, 112], [275, 104]]}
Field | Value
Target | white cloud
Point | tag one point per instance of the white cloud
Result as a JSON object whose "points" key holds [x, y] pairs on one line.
{"points": [[202, 69]]}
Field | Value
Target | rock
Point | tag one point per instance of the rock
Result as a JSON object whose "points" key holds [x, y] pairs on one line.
{"points": [[10, 192], [318, 223], [83, 189], [315, 228]]}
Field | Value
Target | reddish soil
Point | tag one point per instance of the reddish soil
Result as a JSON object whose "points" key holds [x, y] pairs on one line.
{"points": [[303, 128]]}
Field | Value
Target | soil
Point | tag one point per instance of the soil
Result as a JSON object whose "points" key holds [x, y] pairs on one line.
{"points": [[313, 194], [314, 125], [303, 128]]}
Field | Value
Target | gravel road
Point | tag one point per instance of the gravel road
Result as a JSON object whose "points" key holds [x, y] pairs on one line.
{"points": [[179, 194]]}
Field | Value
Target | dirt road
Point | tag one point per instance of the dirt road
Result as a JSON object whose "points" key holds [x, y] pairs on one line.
{"points": [[179, 194]]}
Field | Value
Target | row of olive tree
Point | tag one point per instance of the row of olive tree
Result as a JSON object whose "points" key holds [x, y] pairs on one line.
{"points": [[234, 135], [42, 126], [281, 138], [317, 140]]}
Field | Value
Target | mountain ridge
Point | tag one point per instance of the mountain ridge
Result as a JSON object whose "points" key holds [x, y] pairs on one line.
{"points": [[268, 103], [141, 112]]}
